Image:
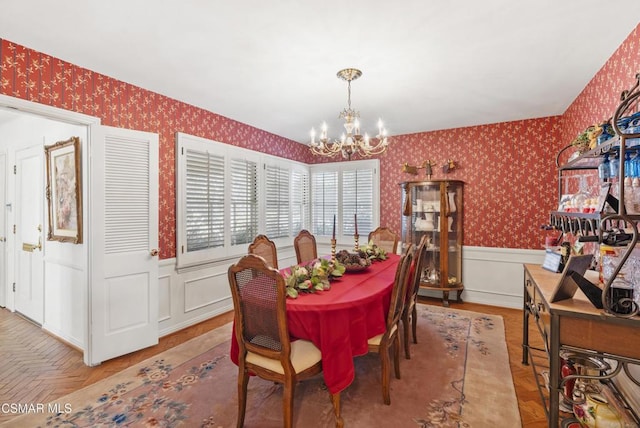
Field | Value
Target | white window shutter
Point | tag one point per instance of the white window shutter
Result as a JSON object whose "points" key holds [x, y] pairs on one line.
{"points": [[324, 204], [244, 201]]}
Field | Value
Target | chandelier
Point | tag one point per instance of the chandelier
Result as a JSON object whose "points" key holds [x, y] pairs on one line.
{"points": [[353, 142]]}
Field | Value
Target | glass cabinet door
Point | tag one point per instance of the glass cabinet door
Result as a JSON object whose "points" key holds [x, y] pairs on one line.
{"points": [[454, 233], [427, 213]]}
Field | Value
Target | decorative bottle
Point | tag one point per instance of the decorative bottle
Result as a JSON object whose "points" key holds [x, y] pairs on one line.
{"points": [[613, 167], [604, 172]]}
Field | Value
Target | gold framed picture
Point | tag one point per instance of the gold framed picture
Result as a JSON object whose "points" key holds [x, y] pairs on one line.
{"points": [[64, 190]]}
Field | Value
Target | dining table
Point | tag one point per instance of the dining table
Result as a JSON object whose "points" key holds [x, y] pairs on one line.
{"points": [[341, 320]]}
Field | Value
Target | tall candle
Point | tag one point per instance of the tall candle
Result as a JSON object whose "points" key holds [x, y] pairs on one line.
{"points": [[355, 221], [334, 226]]}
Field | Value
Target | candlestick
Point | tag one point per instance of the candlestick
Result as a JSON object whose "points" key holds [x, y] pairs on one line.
{"points": [[333, 250], [355, 222], [334, 228], [356, 247]]}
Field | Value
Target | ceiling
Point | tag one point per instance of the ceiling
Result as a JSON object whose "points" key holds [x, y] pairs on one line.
{"points": [[426, 64]]}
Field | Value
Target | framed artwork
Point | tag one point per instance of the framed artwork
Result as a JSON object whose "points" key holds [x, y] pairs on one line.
{"points": [[64, 191]]}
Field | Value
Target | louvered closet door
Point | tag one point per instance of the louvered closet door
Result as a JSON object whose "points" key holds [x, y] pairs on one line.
{"points": [[124, 242]]}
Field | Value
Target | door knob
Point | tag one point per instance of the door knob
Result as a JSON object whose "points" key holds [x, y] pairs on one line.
{"points": [[154, 252]]}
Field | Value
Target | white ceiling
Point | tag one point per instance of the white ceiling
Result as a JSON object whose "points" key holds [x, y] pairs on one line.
{"points": [[426, 64]]}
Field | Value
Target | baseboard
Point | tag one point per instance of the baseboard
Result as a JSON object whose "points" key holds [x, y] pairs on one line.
{"points": [[194, 320], [494, 276], [68, 341]]}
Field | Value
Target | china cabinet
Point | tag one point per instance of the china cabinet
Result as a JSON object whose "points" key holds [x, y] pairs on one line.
{"points": [[576, 327], [434, 208]]}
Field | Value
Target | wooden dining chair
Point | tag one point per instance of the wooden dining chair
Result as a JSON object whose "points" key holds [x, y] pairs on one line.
{"points": [[384, 238], [265, 248], [261, 330], [410, 312], [305, 245], [383, 343]]}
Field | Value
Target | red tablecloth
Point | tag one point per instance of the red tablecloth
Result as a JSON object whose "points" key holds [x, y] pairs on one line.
{"points": [[341, 320]]}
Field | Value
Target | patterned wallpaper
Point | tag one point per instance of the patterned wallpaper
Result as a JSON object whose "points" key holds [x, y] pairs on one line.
{"points": [[35, 76], [508, 168], [599, 99]]}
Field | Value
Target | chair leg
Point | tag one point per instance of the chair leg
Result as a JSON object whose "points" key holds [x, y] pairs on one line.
{"points": [[287, 402], [396, 355], [414, 322], [405, 328], [243, 380], [384, 363]]}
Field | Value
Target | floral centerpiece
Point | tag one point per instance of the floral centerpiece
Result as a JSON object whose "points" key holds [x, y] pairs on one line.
{"points": [[312, 277], [373, 252]]}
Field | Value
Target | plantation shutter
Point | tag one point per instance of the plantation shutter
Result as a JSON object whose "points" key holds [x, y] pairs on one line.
{"points": [[299, 201], [204, 221], [357, 198], [325, 201], [244, 201], [277, 199]]}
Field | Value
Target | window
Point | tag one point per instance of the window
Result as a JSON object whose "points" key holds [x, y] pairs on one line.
{"points": [[204, 220], [324, 188], [345, 189], [277, 202], [300, 204], [357, 198], [243, 217], [227, 195]]}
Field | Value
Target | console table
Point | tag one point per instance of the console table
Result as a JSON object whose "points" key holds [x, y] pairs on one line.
{"points": [[575, 325]]}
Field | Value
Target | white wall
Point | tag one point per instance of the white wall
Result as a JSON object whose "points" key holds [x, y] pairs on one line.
{"points": [[64, 263]]}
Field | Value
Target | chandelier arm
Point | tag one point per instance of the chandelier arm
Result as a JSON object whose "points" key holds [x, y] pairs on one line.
{"points": [[353, 142]]}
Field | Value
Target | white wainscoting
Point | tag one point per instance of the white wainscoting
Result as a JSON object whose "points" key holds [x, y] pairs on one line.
{"points": [[493, 276], [195, 294]]}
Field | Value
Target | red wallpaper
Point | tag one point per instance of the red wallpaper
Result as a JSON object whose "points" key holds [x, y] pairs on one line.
{"points": [[599, 99], [508, 168], [34, 76]]}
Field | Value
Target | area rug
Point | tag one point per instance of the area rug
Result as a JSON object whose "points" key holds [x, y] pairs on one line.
{"points": [[458, 376]]}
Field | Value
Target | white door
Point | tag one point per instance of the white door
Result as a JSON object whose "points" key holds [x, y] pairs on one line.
{"points": [[29, 268], [123, 200], [3, 230]]}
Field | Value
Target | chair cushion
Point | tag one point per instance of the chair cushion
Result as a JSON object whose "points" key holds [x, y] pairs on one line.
{"points": [[304, 354], [375, 340]]}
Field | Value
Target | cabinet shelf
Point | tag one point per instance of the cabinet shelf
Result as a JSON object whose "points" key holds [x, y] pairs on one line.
{"points": [[592, 158]]}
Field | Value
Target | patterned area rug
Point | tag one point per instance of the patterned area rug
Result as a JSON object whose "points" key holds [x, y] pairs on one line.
{"points": [[458, 376]]}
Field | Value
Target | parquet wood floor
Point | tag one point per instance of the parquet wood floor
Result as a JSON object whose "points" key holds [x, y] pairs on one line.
{"points": [[37, 368]]}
